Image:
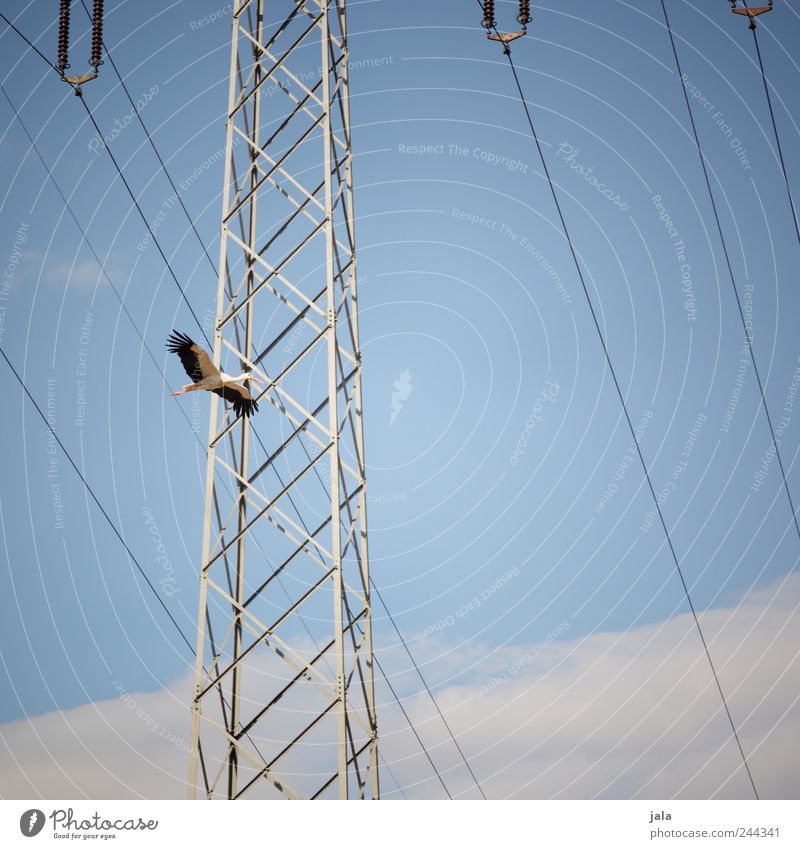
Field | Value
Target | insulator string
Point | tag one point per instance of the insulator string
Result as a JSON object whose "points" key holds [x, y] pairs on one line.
{"points": [[97, 35], [488, 14], [63, 36]]}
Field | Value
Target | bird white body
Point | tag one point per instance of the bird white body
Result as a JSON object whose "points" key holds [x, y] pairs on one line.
{"points": [[206, 376], [215, 381]]}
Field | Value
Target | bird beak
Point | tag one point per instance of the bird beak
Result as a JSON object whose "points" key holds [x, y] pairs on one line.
{"points": [[257, 380]]}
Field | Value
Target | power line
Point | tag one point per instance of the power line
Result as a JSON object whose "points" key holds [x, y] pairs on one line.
{"points": [[428, 689], [119, 171], [181, 289], [411, 726], [394, 777], [747, 334], [163, 376], [96, 500], [113, 526], [132, 321], [167, 262], [29, 42], [122, 177], [775, 129], [155, 363], [507, 52], [88, 243], [152, 144], [147, 225], [85, 237]]}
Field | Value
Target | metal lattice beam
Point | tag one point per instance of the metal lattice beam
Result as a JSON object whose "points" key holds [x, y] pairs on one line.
{"points": [[284, 695]]}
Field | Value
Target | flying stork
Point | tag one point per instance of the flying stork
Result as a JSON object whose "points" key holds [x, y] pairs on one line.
{"points": [[207, 376]]}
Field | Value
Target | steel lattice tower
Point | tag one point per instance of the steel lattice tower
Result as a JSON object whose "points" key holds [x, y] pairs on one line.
{"points": [[284, 698]]}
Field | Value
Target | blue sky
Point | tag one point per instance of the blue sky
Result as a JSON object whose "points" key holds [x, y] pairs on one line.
{"points": [[489, 483]]}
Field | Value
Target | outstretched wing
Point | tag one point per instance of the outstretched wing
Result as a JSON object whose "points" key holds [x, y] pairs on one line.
{"points": [[194, 358], [242, 400]]}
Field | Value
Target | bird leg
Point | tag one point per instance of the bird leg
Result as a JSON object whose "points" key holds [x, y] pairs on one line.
{"points": [[188, 388]]}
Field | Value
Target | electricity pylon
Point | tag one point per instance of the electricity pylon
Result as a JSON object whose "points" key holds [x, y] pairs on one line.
{"points": [[283, 700]]}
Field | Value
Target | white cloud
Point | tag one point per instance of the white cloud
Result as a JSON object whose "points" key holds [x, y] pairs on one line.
{"points": [[612, 715], [84, 274]]}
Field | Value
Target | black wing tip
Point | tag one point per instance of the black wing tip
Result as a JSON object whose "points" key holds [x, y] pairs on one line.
{"points": [[246, 408], [177, 341]]}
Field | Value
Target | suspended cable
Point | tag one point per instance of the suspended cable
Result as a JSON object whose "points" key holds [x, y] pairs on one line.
{"points": [[394, 777], [627, 415], [428, 689], [166, 261], [164, 378], [152, 234], [29, 42], [775, 129], [96, 500], [118, 534], [172, 274], [127, 313], [155, 149], [729, 265], [163, 255], [114, 527], [411, 726], [122, 177], [113, 288], [90, 246]]}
